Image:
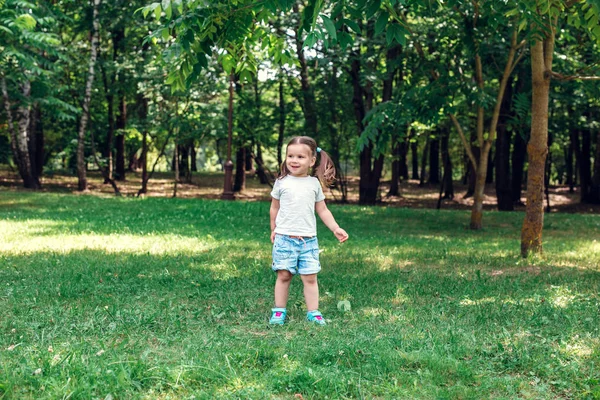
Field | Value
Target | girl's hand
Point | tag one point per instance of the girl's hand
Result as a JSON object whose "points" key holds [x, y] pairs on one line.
{"points": [[341, 235], [273, 237]]}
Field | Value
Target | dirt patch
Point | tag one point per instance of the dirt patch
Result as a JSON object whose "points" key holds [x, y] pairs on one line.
{"points": [[210, 186]]}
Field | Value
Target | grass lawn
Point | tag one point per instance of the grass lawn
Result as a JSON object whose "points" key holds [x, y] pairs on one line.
{"points": [[169, 298]]}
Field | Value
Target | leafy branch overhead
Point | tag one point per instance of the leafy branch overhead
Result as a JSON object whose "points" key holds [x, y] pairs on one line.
{"points": [[193, 31]]}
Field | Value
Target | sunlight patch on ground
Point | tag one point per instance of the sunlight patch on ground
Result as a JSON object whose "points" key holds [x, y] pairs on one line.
{"points": [[580, 347], [561, 296], [113, 243], [469, 302], [373, 311]]}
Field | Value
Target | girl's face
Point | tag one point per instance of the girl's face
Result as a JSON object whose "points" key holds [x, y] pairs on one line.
{"points": [[299, 159]]}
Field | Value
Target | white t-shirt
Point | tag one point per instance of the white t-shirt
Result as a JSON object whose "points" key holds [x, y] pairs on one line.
{"points": [[297, 198]]}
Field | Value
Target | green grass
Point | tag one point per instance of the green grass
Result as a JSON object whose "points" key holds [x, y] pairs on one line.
{"points": [[162, 298]]}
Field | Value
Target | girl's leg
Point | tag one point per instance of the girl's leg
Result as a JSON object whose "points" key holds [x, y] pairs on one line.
{"points": [[311, 291], [282, 288]]}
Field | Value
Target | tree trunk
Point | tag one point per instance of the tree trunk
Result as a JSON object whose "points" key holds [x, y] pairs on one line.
{"points": [[193, 160], [503, 138], [260, 170], [81, 164], [518, 165], [36, 143], [110, 134], [120, 140], [281, 126], [434, 160], [424, 162], [537, 148], [595, 187], [414, 160], [308, 96], [585, 165], [370, 172], [395, 182], [388, 86], [447, 183], [478, 194], [239, 183], [20, 135], [175, 165], [570, 172]]}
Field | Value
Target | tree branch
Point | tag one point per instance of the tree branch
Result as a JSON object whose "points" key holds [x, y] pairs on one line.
{"points": [[464, 140], [560, 77]]}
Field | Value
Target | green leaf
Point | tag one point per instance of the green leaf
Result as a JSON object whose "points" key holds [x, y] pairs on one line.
{"points": [[165, 33], [382, 21], [344, 305], [353, 25], [157, 11], [246, 75], [310, 40], [330, 27], [373, 7], [25, 21]]}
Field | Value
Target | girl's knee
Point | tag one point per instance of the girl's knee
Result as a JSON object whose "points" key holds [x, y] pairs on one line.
{"points": [[309, 279], [284, 276]]}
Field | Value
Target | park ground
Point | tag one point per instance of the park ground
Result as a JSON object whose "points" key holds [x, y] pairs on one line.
{"points": [[160, 298]]}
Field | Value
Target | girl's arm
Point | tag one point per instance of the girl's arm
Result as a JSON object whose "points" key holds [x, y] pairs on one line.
{"points": [[273, 212], [327, 218]]}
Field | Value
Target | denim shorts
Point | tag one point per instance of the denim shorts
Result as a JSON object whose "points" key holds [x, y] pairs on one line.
{"points": [[298, 256]]}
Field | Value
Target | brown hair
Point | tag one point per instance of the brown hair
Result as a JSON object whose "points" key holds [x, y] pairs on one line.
{"points": [[324, 169]]}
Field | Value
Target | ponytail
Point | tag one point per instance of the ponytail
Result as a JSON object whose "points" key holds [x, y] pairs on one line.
{"points": [[325, 169]]}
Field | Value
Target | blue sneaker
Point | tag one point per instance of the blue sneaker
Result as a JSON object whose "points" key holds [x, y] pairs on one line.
{"points": [[316, 317], [277, 316]]}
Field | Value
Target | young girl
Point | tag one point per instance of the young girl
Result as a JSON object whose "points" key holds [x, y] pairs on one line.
{"points": [[296, 195]]}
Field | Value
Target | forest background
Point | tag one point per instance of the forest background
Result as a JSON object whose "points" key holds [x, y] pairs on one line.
{"points": [[473, 91]]}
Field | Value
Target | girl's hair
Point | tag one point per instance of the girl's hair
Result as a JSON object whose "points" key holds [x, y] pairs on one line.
{"points": [[324, 168]]}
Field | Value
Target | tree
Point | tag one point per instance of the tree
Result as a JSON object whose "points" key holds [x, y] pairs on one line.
{"points": [[542, 18], [26, 43], [81, 163]]}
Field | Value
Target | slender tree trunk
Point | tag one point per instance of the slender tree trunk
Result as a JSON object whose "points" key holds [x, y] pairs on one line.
{"points": [[595, 187], [36, 143], [120, 140], [388, 86], [144, 188], [308, 96], [537, 148], [175, 165], [424, 162], [193, 157], [503, 138], [260, 170], [239, 183], [585, 165], [519, 155], [110, 116], [414, 156], [81, 164], [434, 160], [448, 184], [395, 182], [570, 172], [19, 135], [281, 125], [370, 171]]}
